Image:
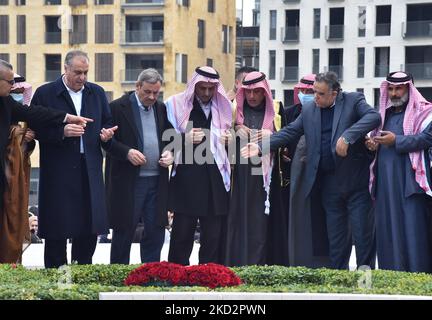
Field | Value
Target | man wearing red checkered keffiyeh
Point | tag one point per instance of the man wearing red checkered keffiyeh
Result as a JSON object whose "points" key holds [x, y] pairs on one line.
{"points": [[400, 176]]}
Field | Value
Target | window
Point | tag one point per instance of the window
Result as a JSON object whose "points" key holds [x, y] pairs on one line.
{"points": [[383, 20], [144, 29], [21, 29], [336, 62], [79, 30], [361, 90], [4, 2], [273, 24], [382, 61], [184, 3], [362, 22], [201, 33], [211, 7], [100, 2], [337, 20], [52, 2], [4, 29], [77, 2], [209, 62], [273, 93], [52, 30], [135, 63], [103, 67], [226, 38], [272, 64], [315, 60], [291, 66], [181, 67], [104, 28], [21, 64], [20, 2], [4, 56], [52, 67], [316, 23], [360, 62]]}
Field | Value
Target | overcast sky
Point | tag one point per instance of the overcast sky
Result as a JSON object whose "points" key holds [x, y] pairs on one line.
{"points": [[247, 10]]}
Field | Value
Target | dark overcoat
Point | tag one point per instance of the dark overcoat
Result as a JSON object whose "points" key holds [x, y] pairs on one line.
{"points": [[120, 174], [60, 187]]}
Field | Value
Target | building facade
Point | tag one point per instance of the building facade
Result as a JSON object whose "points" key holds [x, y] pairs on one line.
{"points": [[122, 37], [361, 40]]}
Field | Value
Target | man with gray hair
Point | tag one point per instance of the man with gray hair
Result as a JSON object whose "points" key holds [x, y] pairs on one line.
{"points": [[71, 188], [336, 175], [12, 225], [137, 170]]}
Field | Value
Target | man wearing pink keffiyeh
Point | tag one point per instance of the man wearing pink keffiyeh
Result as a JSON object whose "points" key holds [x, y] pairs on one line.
{"points": [[200, 181], [400, 176]]}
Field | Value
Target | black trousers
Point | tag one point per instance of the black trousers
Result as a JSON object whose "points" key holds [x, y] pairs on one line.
{"points": [[83, 249], [83, 244], [211, 238]]}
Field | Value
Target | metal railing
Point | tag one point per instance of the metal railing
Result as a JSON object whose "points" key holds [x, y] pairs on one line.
{"points": [[418, 29], [139, 36], [381, 70], [335, 32], [290, 34], [338, 69], [53, 37], [290, 73], [131, 75], [382, 29], [420, 70], [52, 75]]}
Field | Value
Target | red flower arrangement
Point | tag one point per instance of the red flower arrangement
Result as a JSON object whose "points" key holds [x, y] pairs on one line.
{"points": [[166, 273]]}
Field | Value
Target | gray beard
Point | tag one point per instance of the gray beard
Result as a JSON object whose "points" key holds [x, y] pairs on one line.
{"points": [[400, 101]]}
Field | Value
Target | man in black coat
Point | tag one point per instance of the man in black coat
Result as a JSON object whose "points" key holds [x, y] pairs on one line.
{"points": [[200, 182], [137, 170], [10, 112], [71, 187]]}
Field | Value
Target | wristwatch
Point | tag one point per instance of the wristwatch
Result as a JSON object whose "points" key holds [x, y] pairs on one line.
{"points": [[345, 140]]}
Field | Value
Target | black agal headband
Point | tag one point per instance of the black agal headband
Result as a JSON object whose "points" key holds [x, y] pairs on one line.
{"points": [[256, 80], [207, 74]]}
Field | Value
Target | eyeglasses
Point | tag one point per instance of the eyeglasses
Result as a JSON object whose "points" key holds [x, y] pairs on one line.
{"points": [[11, 82]]}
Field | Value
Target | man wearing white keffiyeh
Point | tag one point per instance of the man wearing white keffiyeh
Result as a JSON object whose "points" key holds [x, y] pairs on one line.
{"points": [[199, 189], [400, 176]]}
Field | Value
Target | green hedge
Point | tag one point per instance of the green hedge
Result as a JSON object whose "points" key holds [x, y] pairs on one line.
{"points": [[87, 281]]}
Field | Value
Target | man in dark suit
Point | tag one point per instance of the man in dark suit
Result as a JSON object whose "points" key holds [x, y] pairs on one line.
{"points": [[137, 170], [200, 181], [337, 170], [71, 189], [11, 229]]}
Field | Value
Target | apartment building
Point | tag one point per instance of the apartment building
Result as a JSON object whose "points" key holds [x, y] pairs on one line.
{"points": [[360, 40], [122, 37]]}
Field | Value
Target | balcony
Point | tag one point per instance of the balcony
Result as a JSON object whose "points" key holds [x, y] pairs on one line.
{"points": [[77, 37], [338, 69], [290, 34], [382, 29], [417, 29], [142, 38], [420, 71], [290, 74], [52, 37], [381, 70], [142, 3], [335, 32], [131, 75]]}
